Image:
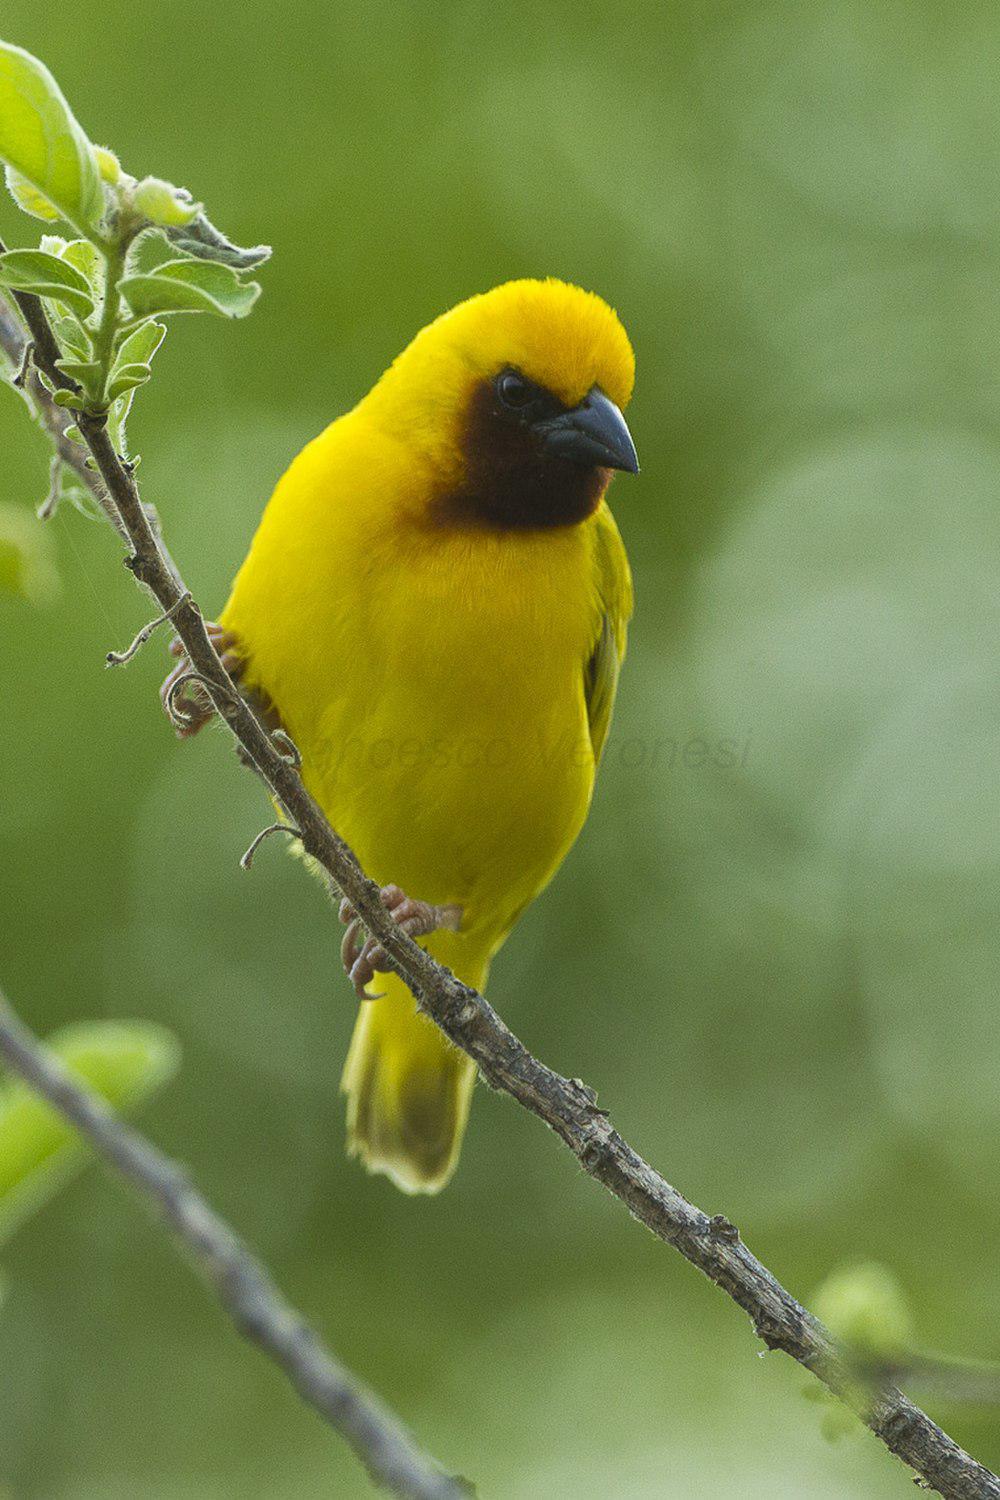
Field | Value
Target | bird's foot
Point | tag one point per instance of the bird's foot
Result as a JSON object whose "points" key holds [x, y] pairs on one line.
{"points": [[186, 704], [362, 960]]}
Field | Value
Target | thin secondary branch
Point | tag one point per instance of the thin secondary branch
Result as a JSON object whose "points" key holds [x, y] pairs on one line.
{"points": [[52, 417], [567, 1106], [120, 658], [241, 1283]]}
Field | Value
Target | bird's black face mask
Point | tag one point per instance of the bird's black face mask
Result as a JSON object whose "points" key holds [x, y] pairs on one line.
{"points": [[531, 461]]}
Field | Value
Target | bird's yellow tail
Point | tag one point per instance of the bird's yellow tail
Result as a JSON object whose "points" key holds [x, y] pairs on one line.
{"points": [[408, 1092]]}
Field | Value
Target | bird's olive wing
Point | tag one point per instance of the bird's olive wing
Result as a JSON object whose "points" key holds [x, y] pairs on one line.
{"points": [[614, 588], [600, 682]]}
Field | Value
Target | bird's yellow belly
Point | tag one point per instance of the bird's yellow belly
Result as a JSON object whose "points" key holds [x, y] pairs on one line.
{"points": [[435, 687], [462, 779]]}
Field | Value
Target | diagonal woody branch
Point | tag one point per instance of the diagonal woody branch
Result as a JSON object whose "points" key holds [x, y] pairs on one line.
{"points": [[241, 1284], [567, 1106]]}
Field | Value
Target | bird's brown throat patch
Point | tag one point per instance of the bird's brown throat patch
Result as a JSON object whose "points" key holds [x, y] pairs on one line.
{"points": [[510, 483]]}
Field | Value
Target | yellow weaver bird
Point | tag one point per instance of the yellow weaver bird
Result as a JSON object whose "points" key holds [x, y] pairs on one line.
{"points": [[434, 608]]}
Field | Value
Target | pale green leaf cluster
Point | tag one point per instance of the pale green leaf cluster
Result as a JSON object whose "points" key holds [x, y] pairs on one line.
{"points": [[131, 366], [103, 299], [122, 1061]]}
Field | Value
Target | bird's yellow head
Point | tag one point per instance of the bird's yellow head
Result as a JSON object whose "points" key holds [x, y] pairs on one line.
{"points": [[514, 401]]}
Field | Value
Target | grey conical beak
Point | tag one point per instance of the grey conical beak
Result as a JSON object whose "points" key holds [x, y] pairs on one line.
{"points": [[593, 433]]}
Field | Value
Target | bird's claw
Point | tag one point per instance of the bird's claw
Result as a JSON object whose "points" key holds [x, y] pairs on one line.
{"points": [[358, 956], [190, 708], [363, 960]]}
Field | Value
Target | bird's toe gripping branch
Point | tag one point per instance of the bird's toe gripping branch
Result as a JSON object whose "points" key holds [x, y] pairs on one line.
{"points": [[186, 704], [364, 957]]}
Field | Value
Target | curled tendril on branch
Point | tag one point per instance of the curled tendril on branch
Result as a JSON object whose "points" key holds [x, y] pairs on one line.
{"points": [[184, 720], [246, 860], [288, 748], [119, 658]]}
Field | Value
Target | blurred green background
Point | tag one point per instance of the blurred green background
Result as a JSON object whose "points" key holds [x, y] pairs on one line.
{"points": [[779, 962]]}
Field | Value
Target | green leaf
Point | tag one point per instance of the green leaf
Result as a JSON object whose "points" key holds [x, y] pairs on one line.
{"points": [[190, 286], [46, 275], [127, 378], [85, 257], [86, 372], [80, 254], [27, 197], [70, 337], [71, 399], [131, 369], [140, 345], [41, 139], [163, 204], [26, 566], [118, 414], [202, 240], [122, 1061], [23, 268], [80, 303]]}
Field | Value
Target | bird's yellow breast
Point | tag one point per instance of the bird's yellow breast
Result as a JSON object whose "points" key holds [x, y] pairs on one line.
{"points": [[431, 676]]}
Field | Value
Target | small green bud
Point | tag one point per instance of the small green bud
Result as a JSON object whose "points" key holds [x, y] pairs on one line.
{"points": [[863, 1306], [164, 204], [108, 164]]}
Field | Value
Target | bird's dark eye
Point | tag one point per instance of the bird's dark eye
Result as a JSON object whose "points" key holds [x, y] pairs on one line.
{"points": [[514, 391]]}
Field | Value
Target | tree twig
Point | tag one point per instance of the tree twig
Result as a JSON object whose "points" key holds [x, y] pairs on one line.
{"points": [[119, 658], [246, 860], [567, 1106], [240, 1282]]}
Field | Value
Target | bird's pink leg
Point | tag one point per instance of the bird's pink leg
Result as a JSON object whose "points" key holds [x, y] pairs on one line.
{"points": [[416, 918]]}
